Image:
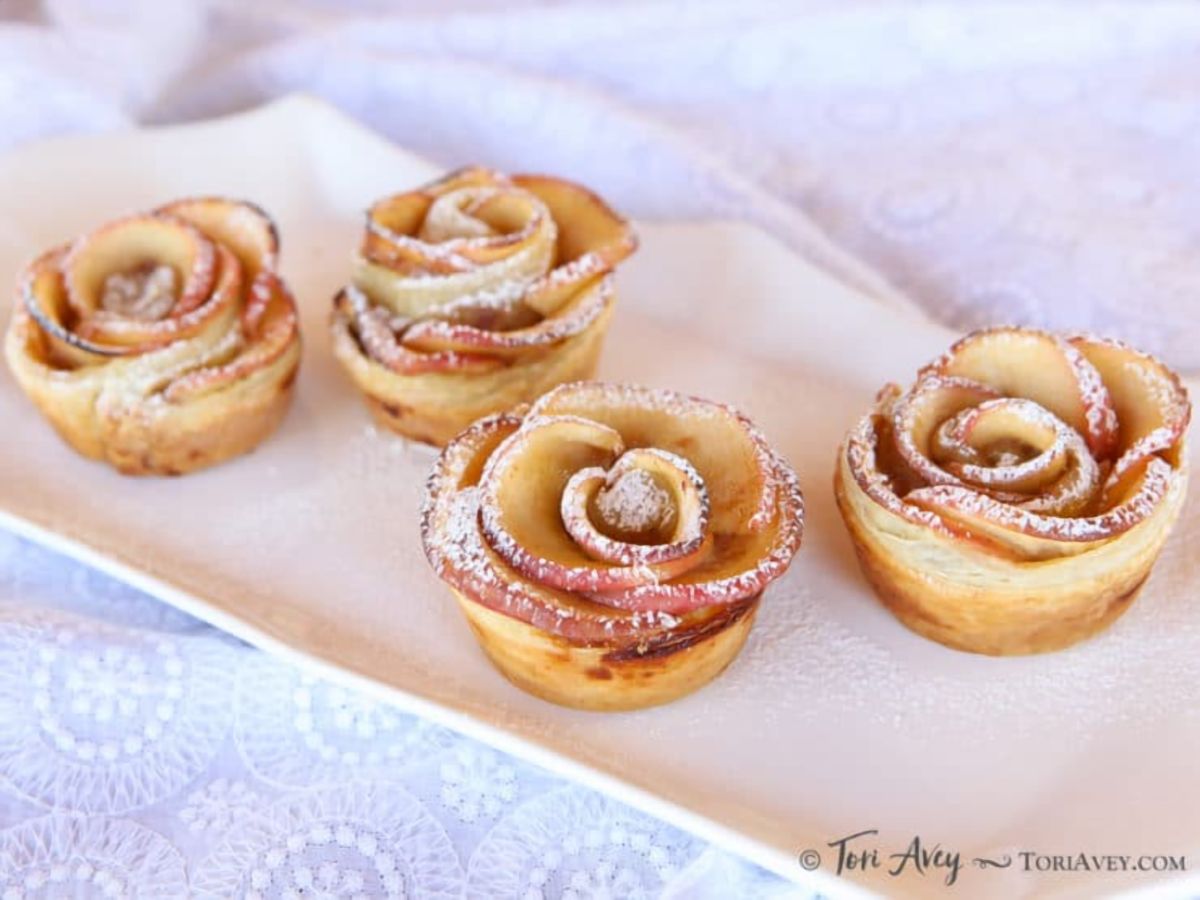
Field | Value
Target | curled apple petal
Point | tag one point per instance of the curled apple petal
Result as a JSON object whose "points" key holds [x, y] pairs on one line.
{"points": [[1034, 444], [730, 454], [919, 414], [1042, 367], [594, 507], [1150, 401], [129, 250], [476, 268], [439, 335], [161, 342]]}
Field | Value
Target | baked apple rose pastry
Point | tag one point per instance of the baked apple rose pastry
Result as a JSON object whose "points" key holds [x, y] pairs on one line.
{"points": [[1015, 498], [475, 293], [160, 343], [609, 544]]}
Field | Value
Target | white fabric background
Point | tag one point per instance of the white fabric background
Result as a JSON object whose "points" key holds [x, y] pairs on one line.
{"points": [[1031, 162]]}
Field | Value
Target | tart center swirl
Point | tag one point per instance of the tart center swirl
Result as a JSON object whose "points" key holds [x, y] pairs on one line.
{"points": [[1036, 445], [626, 517], [633, 506], [146, 292], [478, 271], [1010, 449], [650, 508], [197, 276], [605, 503]]}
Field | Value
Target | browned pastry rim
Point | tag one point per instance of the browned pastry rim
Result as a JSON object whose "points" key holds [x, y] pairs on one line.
{"points": [[609, 679]]}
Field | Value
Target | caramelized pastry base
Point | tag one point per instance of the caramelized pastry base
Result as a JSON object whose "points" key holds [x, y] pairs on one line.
{"points": [[186, 443], [151, 436], [960, 596], [434, 407], [604, 678]]}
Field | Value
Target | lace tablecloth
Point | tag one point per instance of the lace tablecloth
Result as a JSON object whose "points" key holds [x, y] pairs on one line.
{"points": [[1032, 162]]}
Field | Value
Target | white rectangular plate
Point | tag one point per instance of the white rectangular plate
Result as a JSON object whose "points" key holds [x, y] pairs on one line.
{"points": [[833, 720]]}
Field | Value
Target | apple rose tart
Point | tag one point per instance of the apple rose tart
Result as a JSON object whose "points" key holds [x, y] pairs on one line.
{"points": [[1016, 497], [475, 293], [160, 343], [609, 544]]}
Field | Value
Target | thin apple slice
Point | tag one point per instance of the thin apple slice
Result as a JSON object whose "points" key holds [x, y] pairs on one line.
{"points": [[730, 454], [212, 315], [393, 223], [917, 415], [369, 324], [520, 509], [458, 553], [485, 225], [1018, 446], [435, 334], [650, 508], [1150, 401], [247, 231], [586, 224], [554, 290], [470, 219], [277, 334], [239, 225], [44, 298], [420, 295], [1031, 535], [129, 244], [389, 238], [456, 549], [1026, 457], [1041, 367], [738, 566]]}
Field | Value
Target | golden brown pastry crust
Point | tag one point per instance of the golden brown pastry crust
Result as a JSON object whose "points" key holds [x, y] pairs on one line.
{"points": [[609, 545], [475, 293], [1014, 500], [603, 679], [188, 379]]}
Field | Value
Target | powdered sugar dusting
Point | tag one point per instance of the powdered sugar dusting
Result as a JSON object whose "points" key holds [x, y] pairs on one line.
{"points": [[1099, 418], [545, 333], [639, 587], [1098, 409], [166, 342], [1022, 520], [456, 262], [635, 503], [746, 583], [862, 461], [1006, 491], [451, 216], [613, 394], [146, 294], [456, 550], [676, 404], [691, 520], [1056, 495]]}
